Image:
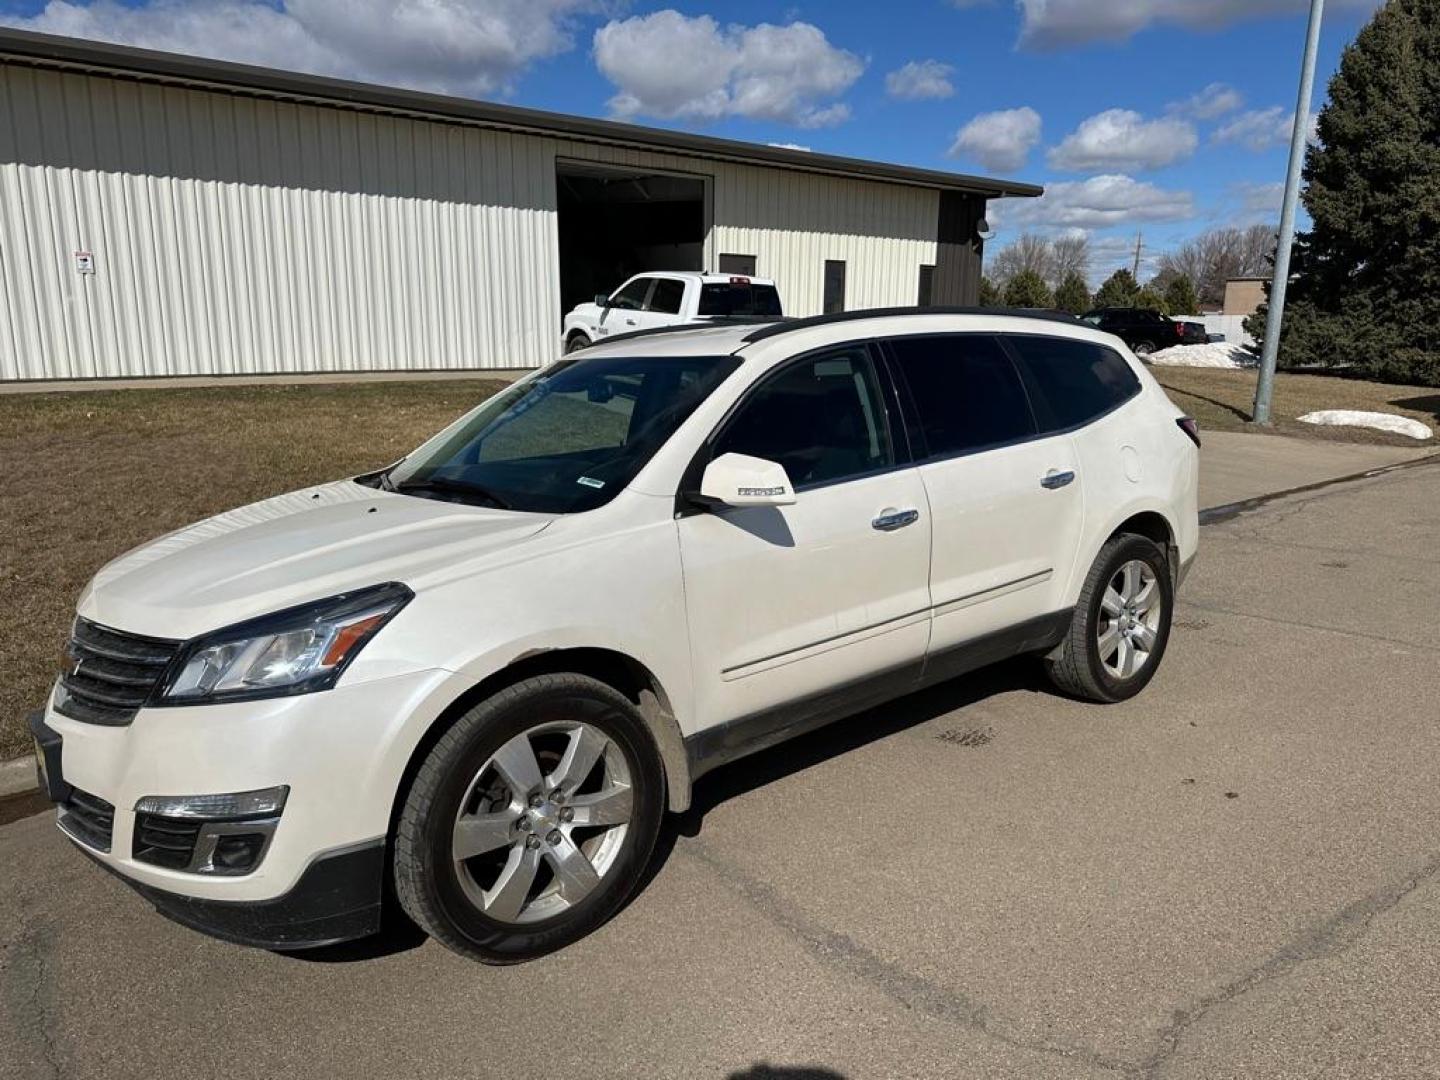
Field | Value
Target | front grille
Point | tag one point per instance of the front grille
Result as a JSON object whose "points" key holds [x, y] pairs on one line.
{"points": [[109, 674], [88, 818], [165, 841]]}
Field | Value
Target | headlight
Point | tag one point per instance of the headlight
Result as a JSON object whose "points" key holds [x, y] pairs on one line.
{"points": [[295, 651]]}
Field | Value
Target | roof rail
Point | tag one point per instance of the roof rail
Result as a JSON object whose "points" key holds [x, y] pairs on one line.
{"points": [[775, 329], [711, 321]]}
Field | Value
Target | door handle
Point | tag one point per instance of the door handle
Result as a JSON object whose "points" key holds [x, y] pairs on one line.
{"points": [[1057, 479], [890, 520]]}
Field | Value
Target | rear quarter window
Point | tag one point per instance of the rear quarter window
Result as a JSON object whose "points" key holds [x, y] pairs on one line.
{"points": [[1072, 382]]}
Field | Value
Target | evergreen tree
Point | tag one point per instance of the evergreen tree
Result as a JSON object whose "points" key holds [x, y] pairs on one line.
{"points": [[1119, 290], [1149, 298], [1366, 284], [1027, 289], [989, 294], [1180, 298], [1073, 295]]}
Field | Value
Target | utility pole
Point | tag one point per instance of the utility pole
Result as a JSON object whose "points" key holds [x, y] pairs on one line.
{"points": [[1135, 271], [1265, 388]]}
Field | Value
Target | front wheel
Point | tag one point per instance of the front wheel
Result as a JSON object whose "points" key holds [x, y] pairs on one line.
{"points": [[1144, 348], [531, 821], [1121, 623], [575, 343]]}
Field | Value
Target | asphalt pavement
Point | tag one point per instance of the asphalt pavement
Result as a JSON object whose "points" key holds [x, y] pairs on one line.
{"points": [[1233, 875]]}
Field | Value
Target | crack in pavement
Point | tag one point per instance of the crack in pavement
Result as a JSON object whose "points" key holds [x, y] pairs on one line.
{"points": [[1324, 941], [28, 992], [1216, 609], [909, 990]]}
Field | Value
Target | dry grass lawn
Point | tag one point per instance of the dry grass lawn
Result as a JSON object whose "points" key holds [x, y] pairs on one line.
{"points": [[1221, 400], [88, 475]]}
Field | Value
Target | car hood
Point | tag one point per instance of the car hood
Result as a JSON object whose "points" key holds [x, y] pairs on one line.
{"points": [[288, 550]]}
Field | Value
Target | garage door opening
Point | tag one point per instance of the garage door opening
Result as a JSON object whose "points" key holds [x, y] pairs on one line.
{"points": [[615, 223]]}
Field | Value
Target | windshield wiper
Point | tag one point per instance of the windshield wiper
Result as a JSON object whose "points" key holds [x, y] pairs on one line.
{"points": [[448, 486]]}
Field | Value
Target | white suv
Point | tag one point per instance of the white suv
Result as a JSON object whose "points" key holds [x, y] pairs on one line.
{"points": [[671, 298], [482, 675]]}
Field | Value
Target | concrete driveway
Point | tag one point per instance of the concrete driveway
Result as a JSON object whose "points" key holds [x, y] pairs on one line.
{"points": [[1234, 875]]}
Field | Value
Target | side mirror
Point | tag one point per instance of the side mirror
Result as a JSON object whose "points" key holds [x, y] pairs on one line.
{"points": [[602, 300], [742, 480]]}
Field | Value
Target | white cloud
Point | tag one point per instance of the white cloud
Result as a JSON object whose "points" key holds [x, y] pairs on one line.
{"points": [[1259, 201], [442, 45], [1000, 141], [1260, 129], [1214, 101], [1058, 23], [1123, 139], [920, 79], [1102, 202], [672, 66]]}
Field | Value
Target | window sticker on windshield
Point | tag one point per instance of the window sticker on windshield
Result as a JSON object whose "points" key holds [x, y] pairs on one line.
{"points": [[590, 481]]}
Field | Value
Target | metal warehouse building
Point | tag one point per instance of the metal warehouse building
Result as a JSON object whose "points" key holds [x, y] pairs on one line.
{"points": [[165, 215]]}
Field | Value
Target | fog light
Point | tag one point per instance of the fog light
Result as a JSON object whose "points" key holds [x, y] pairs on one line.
{"points": [[266, 802], [238, 854]]}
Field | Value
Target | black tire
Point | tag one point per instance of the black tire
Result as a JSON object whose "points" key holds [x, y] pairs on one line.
{"points": [[1143, 348], [575, 343], [1076, 666], [427, 881]]}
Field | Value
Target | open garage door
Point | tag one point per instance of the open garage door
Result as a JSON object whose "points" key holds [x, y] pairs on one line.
{"points": [[617, 222]]}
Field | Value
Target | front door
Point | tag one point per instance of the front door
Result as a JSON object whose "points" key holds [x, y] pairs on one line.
{"points": [[792, 607]]}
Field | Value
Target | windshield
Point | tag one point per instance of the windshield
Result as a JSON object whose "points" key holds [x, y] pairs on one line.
{"points": [[739, 299], [567, 440]]}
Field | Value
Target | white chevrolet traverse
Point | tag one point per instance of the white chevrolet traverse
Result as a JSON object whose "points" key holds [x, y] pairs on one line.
{"points": [[473, 682]]}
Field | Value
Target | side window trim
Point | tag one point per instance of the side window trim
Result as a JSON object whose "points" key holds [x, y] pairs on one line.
{"points": [[915, 430], [1028, 378], [900, 451]]}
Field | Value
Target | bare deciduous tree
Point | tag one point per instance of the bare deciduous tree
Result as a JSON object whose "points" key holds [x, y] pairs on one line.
{"points": [[1052, 259], [1213, 257], [1069, 255], [1027, 253]]}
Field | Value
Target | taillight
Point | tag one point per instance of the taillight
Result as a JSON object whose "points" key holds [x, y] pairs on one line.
{"points": [[1189, 427], [1179, 329]]}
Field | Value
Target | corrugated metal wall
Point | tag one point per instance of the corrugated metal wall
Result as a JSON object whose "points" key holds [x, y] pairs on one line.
{"points": [[237, 235]]}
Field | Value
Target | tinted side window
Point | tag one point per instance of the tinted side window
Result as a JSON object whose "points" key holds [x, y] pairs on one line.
{"points": [[967, 393], [823, 419], [632, 296], [667, 296], [1072, 382]]}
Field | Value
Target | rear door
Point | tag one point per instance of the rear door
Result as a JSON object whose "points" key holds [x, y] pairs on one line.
{"points": [[1005, 506]]}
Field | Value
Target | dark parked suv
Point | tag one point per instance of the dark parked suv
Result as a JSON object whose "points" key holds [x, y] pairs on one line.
{"points": [[1145, 330]]}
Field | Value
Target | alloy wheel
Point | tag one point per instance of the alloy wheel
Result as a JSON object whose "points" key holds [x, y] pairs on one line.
{"points": [[542, 822], [1128, 628]]}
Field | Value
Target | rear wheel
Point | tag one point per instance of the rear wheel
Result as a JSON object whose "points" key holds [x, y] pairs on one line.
{"points": [[1121, 623], [531, 821]]}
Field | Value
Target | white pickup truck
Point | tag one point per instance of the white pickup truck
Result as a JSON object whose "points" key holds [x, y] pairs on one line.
{"points": [[668, 298]]}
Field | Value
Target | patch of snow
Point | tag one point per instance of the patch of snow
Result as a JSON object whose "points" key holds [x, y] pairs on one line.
{"points": [[1218, 354], [1399, 425]]}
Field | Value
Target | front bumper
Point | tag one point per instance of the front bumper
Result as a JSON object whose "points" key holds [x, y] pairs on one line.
{"points": [[337, 897], [342, 753]]}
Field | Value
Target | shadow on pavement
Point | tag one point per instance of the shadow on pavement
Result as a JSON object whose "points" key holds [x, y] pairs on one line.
{"points": [[762, 1071], [843, 736]]}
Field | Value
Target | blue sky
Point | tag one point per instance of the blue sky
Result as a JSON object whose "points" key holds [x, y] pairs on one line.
{"points": [[1167, 116]]}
